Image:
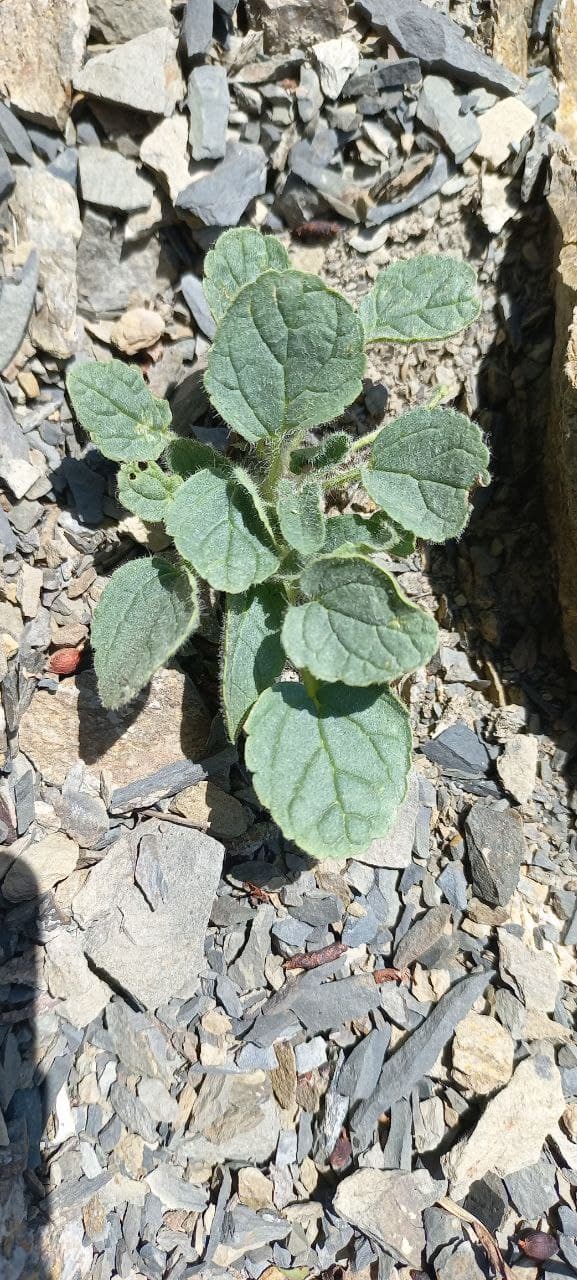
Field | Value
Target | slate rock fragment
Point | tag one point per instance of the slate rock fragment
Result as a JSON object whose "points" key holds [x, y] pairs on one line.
{"points": [[395, 849], [436, 178], [197, 26], [47, 214], [220, 198], [428, 940], [208, 105], [534, 975], [120, 20], [335, 61], [112, 180], [438, 42], [82, 994], [42, 50], [439, 109], [533, 1189], [7, 178], [296, 23], [388, 1207], [142, 74], [459, 752], [13, 136], [235, 1117], [17, 295], [496, 848]]}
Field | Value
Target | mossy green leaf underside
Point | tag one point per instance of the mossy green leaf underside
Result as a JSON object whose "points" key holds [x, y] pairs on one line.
{"points": [[356, 625], [252, 654], [421, 300], [239, 256], [288, 354], [114, 405], [218, 530], [147, 610], [332, 771], [422, 467]]}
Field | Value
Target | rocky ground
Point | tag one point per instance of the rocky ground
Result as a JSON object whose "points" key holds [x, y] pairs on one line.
{"points": [[218, 1058]]}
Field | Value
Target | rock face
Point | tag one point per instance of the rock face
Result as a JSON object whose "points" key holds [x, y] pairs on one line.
{"points": [[512, 1129], [388, 1207], [297, 22], [57, 730], [42, 50], [561, 447], [46, 212]]}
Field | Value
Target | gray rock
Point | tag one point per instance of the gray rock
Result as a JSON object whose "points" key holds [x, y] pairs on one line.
{"points": [[334, 1004], [121, 20], [308, 95], [65, 166], [167, 782], [488, 1201], [148, 872], [142, 74], [294, 933], [398, 1149], [193, 294], [302, 22], [235, 1117], [161, 1106], [496, 848], [388, 1207], [208, 104], [248, 970], [110, 279], [139, 1043], [244, 1230], [83, 816], [47, 214], [438, 42], [13, 136], [429, 185], [197, 26], [463, 1264], [439, 109], [174, 1193], [112, 181], [418, 1054], [311, 1054], [428, 940], [534, 975], [459, 752], [359, 1074], [133, 1113], [395, 849], [318, 909], [453, 884], [220, 198], [152, 954], [83, 995], [7, 178]]}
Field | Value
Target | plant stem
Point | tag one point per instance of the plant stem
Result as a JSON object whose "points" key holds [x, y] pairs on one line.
{"points": [[338, 478], [364, 441]]}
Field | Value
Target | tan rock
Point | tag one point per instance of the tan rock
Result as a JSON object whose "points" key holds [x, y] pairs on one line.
{"points": [[46, 212], [482, 1054], [136, 330], [83, 994], [534, 975], [39, 867], [570, 1121], [538, 1026], [30, 587], [517, 767], [120, 20], [511, 34], [43, 44], [281, 19], [254, 1189], [564, 42], [284, 1077], [167, 723], [503, 128], [511, 1132], [165, 151], [209, 807]]}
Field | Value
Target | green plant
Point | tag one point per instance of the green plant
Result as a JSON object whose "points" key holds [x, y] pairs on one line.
{"points": [[329, 747]]}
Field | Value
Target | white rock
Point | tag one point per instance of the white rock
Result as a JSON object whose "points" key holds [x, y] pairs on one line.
{"points": [[498, 201], [83, 995], [388, 1208], [142, 74], [112, 181], [46, 213], [503, 128], [39, 867], [42, 50], [517, 767], [534, 975], [137, 330], [336, 60], [511, 1132], [165, 151]]}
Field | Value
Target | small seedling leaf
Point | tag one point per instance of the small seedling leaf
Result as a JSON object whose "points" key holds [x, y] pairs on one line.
{"points": [[216, 527], [356, 626], [422, 467], [147, 610], [377, 533], [421, 300], [239, 256], [146, 490], [332, 767], [301, 516], [252, 655], [186, 455], [289, 353], [323, 456], [114, 405]]}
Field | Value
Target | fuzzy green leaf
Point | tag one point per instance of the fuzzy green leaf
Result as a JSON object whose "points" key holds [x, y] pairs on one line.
{"points": [[239, 256], [186, 455], [288, 353], [252, 654], [331, 769], [147, 492], [377, 533], [146, 611], [114, 405], [422, 467], [216, 527], [421, 300], [356, 626], [301, 516], [323, 456]]}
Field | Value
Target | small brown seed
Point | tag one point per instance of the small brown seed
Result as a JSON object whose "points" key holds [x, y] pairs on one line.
{"points": [[538, 1245], [65, 661]]}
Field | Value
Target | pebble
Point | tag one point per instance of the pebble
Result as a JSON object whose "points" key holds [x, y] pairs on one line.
{"points": [[496, 848], [208, 105], [40, 866], [534, 975], [482, 1054], [517, 767]]}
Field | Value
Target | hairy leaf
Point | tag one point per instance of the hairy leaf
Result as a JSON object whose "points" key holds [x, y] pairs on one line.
{"points": [[252, 654], [216, 527], [239, 256], [114, 405], [377, 533], [288, 353], [301, 516], [323, 456], [147, 610], [187, 455], [331, 768], [423, 299], [356, 626], [147, 492], [421, 468]]}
